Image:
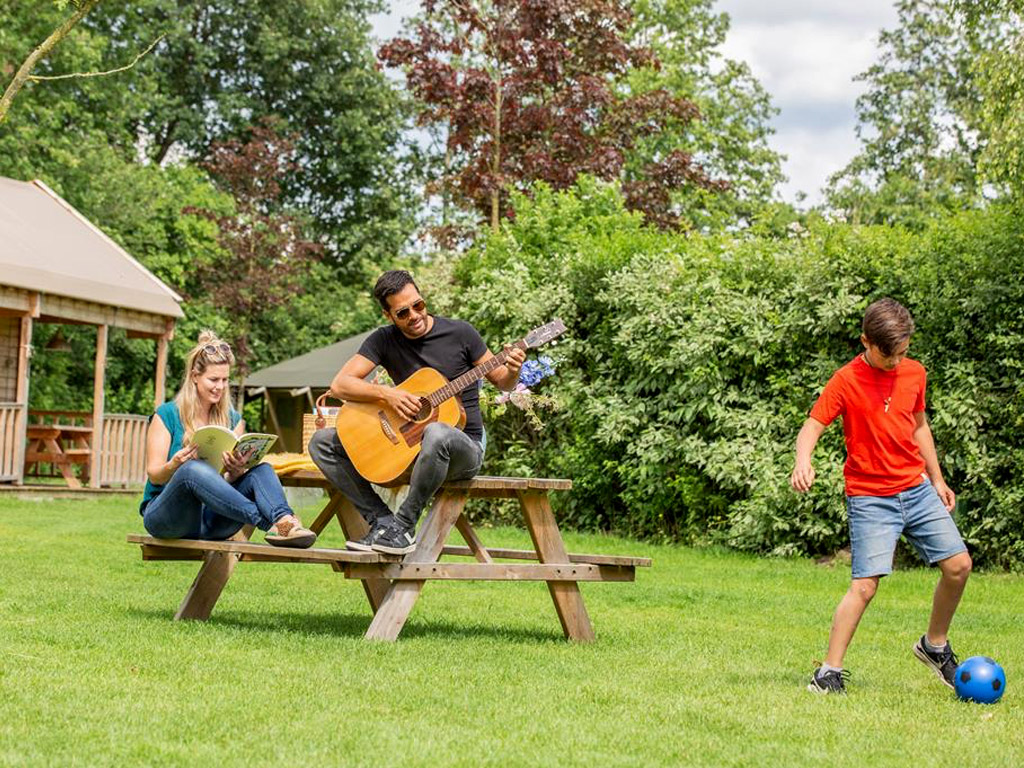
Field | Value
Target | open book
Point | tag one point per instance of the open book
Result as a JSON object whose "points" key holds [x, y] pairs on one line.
{"points": [[213, 440]]}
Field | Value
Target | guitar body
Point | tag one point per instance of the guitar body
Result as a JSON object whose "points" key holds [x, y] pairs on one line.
{"points": [[383, 445]]}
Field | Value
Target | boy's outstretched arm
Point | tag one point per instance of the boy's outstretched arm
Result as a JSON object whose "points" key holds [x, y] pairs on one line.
{"points": [[803, 473], [926, 444]]}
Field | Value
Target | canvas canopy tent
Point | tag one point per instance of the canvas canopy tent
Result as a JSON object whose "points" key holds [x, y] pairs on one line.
{"points": [[57, 267], [291, 387]]}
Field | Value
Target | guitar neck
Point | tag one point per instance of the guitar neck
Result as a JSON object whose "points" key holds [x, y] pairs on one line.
{"points": [[471, 376]]}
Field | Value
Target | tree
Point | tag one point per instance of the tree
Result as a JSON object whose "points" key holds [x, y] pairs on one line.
{"points": [[311, 65], [730, 140], [1000, 75], [524, 90], [24, 73], [264, 250], [220, 66], [918, 123]]}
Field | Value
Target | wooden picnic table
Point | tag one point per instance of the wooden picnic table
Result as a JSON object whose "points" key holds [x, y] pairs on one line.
{"points": [[393, 583], [62, 446]]}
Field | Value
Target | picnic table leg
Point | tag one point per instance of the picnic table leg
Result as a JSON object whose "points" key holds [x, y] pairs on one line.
{"points": [[568, 599], [355, 527], [61, 462], [475, 545], [329, 511], [402, 596], [209, 582]]}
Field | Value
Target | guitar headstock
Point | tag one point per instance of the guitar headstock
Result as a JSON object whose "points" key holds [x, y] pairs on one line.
{"points": [[545, 333]]}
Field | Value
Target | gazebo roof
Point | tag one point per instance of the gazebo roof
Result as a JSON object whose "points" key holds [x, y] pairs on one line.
{"points": [[314, 369], [51, 248]]}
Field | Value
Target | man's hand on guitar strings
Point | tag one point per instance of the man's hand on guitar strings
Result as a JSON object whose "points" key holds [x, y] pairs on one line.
{"points": [[406, 404]]}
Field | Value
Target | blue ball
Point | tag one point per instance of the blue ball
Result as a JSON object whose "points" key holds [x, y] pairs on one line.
{"points": [[980, 679]]}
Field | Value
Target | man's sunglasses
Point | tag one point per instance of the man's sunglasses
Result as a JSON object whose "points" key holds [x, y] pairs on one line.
{"points": [[417, 307]]}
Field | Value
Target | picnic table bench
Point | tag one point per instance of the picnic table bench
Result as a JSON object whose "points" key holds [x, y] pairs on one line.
{"points": [[392, 582]]}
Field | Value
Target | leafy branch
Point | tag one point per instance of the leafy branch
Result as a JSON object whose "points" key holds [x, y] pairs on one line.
{"points": [[24, 73], [125, 68]]}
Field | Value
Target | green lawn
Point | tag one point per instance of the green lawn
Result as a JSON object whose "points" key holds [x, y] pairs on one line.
{"points": [[702, 661]]}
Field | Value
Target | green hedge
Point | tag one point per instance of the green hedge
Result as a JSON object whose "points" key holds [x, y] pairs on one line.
{"points": [[692, 361]]}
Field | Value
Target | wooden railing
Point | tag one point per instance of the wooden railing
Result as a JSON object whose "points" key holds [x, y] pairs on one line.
{"points": [[11, 446], [123, 455]]}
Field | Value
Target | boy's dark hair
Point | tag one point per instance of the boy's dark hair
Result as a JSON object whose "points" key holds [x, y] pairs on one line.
{"points": [[391, 282], [887, 323]]}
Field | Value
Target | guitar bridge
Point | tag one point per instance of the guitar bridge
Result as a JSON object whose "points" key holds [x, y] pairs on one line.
{"points": [[386, 428]]}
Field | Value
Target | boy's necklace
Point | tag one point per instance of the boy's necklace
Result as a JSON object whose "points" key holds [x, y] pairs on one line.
{"points": [[892, 386]]}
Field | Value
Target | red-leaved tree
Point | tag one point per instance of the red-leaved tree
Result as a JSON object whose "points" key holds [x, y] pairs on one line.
{"points": [[265, 252], [525, 91]]}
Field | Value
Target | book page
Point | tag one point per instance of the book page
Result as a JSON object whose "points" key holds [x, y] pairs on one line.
{"points": [[213, 440], [253, 446]]}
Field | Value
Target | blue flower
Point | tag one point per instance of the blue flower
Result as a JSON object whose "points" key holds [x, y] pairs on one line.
{"points": [[534, 370]]}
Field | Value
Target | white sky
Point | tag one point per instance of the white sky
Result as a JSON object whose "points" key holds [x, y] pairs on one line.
{"points": [[805, 53]]}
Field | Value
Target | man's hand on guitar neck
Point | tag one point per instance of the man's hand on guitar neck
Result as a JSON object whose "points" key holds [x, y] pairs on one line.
{"points": [[505, 377]]}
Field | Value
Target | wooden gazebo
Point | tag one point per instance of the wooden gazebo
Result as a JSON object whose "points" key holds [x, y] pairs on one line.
{"points": [[57, 267]]}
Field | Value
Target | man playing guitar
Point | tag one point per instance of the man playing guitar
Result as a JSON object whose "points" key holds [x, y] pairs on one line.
{"points": [[414, 339]]}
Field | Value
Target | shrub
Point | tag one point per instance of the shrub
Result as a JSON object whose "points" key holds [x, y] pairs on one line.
{"points": [[692, 361]]}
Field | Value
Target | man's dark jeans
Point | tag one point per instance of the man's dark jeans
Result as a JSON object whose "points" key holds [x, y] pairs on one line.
{"points": [[445, 454]]}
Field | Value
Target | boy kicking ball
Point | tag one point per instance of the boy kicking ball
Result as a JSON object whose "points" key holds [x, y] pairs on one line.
{"points": [[894, 486]]}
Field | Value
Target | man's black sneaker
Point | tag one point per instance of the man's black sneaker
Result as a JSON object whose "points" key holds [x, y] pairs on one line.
{"points": [[944, 662], [396, 540], [829, 681], [365, 544]]}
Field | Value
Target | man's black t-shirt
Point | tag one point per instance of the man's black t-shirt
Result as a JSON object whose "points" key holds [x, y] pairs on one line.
{"points": [[450, 346]]}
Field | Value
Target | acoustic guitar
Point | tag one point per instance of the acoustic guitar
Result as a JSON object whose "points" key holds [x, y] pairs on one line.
{"points": [[383, 444]]}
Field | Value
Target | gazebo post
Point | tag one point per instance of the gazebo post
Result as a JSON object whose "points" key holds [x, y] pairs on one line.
{"points": [[21, 391], [272, 414], [159, 389], [99, 376]]}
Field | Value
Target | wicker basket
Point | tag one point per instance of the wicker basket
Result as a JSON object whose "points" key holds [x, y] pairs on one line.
{"points": [[322, 416]]}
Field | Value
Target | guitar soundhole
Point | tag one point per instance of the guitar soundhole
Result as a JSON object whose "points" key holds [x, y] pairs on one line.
{"points": [[424, 412]]}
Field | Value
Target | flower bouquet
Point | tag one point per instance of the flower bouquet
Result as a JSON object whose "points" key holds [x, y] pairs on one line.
{"points": [[522, 396]]}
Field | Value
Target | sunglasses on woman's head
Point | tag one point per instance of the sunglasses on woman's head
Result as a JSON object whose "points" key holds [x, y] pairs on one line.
{"points": [[213, 350], [417, 307]]}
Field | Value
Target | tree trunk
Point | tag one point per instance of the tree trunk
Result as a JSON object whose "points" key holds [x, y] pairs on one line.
{"points": [[496, 157], [40, 53]]}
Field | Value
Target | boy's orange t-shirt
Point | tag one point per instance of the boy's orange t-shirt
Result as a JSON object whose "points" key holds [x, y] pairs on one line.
{"points": [[882, 458]]}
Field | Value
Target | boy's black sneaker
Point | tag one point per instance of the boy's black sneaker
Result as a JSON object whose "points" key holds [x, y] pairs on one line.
{"points": [[365, 544], [944, 662], [396, 540], [829, 681]]}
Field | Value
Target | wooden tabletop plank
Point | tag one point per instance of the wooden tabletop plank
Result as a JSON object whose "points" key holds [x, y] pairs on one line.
{"points": [[310, 478]]}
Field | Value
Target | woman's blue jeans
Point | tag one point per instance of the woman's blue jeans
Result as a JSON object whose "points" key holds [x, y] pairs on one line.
{"points": [[198, 503]]}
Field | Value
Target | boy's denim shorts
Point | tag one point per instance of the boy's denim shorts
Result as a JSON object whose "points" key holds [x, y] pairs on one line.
{"points": [[876, 523]]}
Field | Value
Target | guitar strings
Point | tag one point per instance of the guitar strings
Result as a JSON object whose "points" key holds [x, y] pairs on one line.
{"points": [[455, 386]]}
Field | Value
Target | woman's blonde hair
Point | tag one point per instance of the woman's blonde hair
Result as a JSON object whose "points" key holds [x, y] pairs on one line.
{"points": [[209, 350]]}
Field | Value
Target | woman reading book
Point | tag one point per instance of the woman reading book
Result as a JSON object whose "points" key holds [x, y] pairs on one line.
{"points": [[188, 498]]}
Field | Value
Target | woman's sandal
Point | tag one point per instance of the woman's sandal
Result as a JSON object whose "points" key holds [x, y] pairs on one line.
{"points": [[285, 533]]}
